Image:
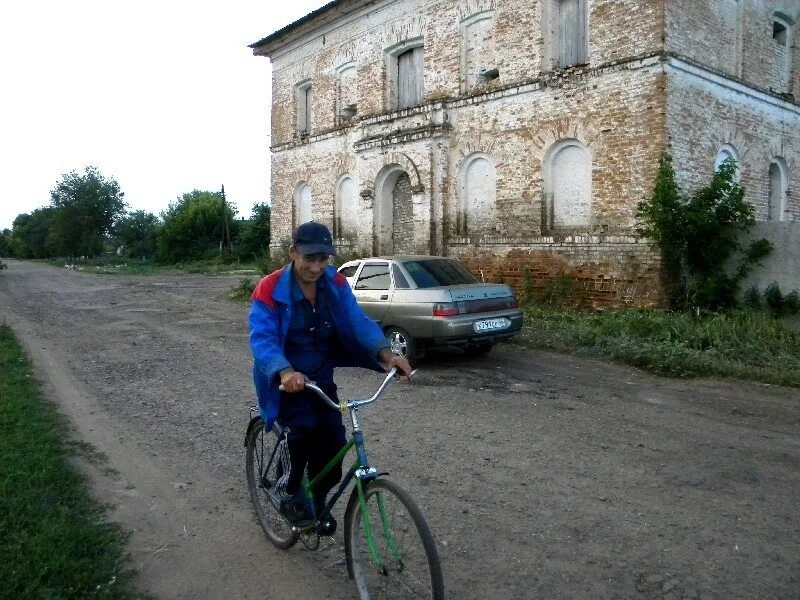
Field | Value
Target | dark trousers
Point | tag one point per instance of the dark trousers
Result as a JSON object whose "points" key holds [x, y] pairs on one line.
{"points": [[315, 435]]}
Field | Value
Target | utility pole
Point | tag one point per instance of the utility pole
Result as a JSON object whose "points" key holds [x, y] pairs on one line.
{"points": [[226, 233]]}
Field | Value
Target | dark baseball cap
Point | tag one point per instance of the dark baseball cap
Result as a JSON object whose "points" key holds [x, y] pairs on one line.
{"points": [[313, 238]]}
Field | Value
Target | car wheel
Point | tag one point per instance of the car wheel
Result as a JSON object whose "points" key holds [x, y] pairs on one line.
{"points": [[401, 343], [479, 350]]}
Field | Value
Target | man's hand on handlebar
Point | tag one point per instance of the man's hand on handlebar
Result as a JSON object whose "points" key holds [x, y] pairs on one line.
{"points": [[293, 381], [389, 360]]}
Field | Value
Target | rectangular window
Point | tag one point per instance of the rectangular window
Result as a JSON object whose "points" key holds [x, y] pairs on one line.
{"points": [[348, 97], [572, 34], [410, 89], [478, 60], [303, 107], [781, 40]]}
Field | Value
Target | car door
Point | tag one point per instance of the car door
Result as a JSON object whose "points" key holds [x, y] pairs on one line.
{"points": [[373, 288]]}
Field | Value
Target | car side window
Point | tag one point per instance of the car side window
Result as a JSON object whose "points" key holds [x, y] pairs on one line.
{"points": [[349, 271], [400, 281], [374, 276]]}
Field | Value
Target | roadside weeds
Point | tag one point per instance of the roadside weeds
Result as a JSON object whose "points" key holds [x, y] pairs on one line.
{"points": [[54, 539]]}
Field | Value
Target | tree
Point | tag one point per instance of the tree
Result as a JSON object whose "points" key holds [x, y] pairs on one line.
{"points": [[193, 227], [699, 235], [32, 234], [5, 243], [136, 233], [254, 234], [86, 207]]}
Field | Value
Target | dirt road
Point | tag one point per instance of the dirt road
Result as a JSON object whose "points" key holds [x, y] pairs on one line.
{"points": [[542, 476]]}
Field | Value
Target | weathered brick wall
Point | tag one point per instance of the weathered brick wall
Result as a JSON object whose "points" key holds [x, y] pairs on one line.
{"points": [[704, 116], [618, 114], [625, 108], [733, 37], [616, 32], [586, 272]]}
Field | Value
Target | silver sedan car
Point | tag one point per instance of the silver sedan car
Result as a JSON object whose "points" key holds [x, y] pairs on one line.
{"points": [[431, 301]]}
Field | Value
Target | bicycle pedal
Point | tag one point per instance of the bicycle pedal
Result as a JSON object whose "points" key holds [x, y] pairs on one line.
{"points": [[304, 526]]}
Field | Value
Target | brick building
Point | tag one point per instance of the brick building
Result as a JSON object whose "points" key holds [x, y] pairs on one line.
{"points": [[516, 133]]}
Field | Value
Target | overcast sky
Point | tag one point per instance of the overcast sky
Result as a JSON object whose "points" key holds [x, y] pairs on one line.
{"points": [[164, 96]]}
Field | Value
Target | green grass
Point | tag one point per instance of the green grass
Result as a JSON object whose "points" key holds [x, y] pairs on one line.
{"points": [[54, 539], [744, 345], [121, 266]]}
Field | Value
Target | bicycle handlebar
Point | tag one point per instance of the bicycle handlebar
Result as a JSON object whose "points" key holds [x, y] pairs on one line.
{"points": [[390, 377]]}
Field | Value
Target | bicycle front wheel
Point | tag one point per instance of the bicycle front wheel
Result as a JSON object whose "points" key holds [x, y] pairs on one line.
{"points": [[407, 564], [264, 467]]}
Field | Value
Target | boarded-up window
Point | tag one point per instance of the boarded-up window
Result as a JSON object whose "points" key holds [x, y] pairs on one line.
{"points": [[348, 97], [571, 32], [410, 90], [479, 64], [477, 198], [302, 199], [729, 19], [781, 51], [776, 204], [569, 184], [346, 211], [402, 216], [303, 106]]}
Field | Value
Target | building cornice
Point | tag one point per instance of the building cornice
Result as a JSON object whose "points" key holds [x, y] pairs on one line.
{"points": [[683, 65], [315, 24], [550, 79]]}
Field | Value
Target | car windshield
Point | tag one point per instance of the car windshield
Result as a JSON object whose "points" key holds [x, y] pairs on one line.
{"points": [[438, 271]]}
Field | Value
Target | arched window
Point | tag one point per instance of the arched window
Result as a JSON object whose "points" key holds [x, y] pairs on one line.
{"points": [[302, 204], [346, 208], [729, 12], [303, 114], [404, 67], [782, 43], [478, 62], [477, 196], [568, 185], [776, 202], [728, 152], [347, 93]]}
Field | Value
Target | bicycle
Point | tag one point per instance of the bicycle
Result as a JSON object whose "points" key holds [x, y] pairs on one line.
{"points": [[389, 548]]}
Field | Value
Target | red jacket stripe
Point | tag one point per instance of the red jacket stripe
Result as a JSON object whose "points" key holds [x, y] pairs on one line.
{"points": [[265, 287]]}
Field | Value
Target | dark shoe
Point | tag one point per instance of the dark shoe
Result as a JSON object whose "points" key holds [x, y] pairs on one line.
{"points": [[295, 510], [326, 525]]}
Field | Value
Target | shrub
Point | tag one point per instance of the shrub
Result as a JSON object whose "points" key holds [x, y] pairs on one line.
{"points": [[792, 302], [243, 291], [773, 298], [778, 304], [698, 236], [752, 299], [558, 290], [527, 295]]}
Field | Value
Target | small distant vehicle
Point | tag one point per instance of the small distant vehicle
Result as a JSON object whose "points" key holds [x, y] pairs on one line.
{"points": [[432, 301], [3, 265]]}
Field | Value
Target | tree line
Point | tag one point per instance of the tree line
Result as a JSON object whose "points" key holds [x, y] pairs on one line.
{"points": [[88, 217]]}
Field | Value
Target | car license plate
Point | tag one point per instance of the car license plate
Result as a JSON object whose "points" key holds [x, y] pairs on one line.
{"points": [[491, 325]]}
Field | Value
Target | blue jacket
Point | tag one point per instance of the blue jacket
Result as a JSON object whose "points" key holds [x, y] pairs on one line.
{"points": [[360, 338]]}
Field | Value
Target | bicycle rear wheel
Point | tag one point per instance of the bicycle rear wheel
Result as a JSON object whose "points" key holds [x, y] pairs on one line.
{"points": [[264, 468], [410, 565]]}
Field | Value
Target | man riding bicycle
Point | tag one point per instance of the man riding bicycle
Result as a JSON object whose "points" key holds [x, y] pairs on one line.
{"points": [[304, 322]]}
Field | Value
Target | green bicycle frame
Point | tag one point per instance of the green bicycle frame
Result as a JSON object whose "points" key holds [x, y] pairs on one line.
{"points": [[361, 471]]}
